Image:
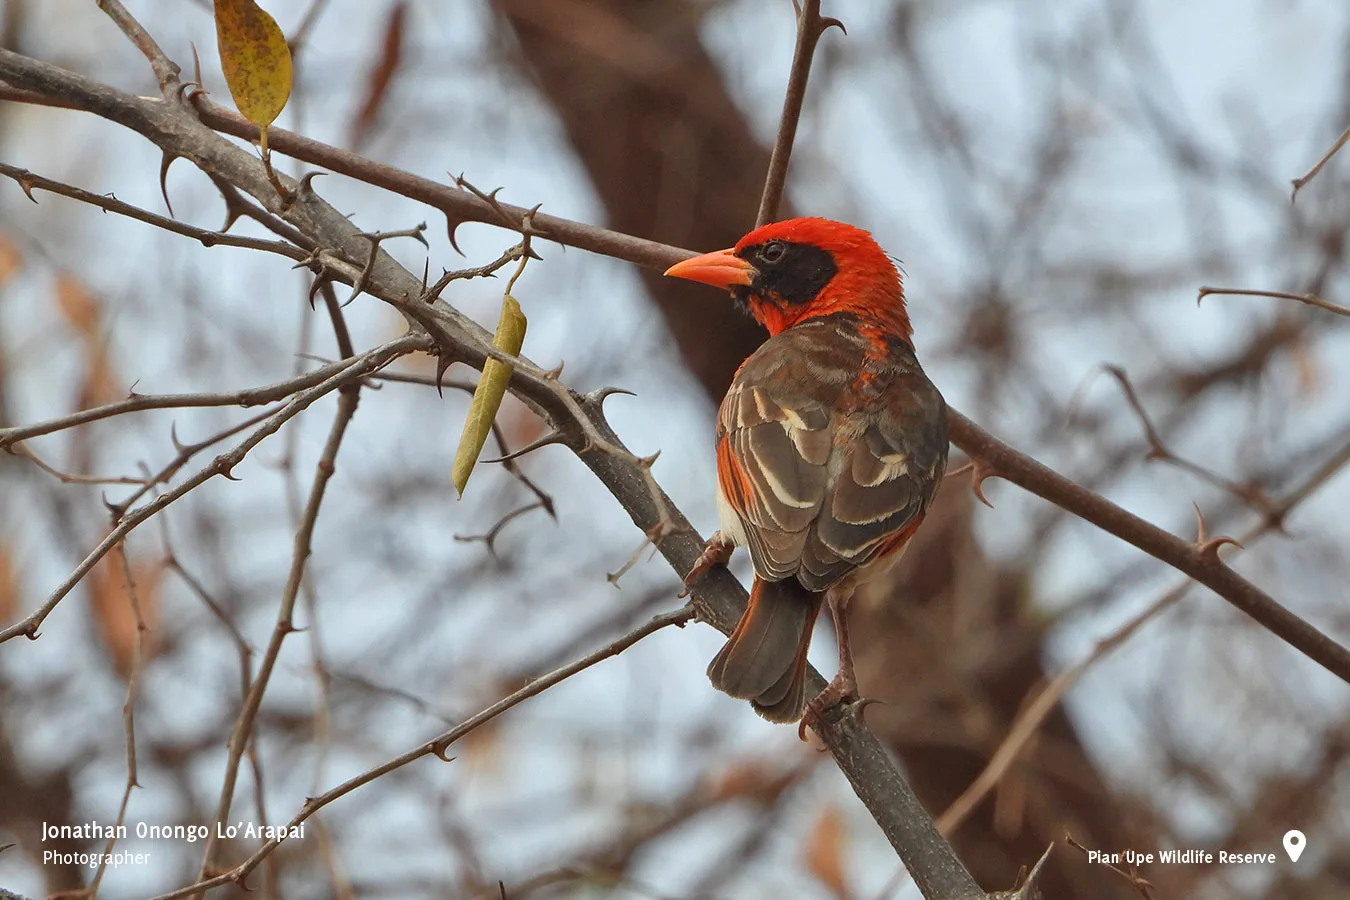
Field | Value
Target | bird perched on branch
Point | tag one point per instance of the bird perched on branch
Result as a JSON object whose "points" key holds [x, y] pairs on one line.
{"points": [[831, 442]]}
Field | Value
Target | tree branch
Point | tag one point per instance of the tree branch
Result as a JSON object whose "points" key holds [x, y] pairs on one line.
{"points": [[438, 746], [582, 426], [1196, 560], [221, 465], [810, 26]]}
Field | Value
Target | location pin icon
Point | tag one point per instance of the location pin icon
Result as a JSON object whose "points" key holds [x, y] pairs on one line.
{"points": [[1294, 842]]}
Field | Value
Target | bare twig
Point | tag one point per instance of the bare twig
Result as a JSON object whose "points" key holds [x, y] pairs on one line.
{"points": [[240, 737], [29, 181], [489, 538], [128, 716], [810, 26], [1308, 299], [139, 402], [1250, 494], [1299, 183], [1189, 558], [1033, 714], [166, 70], [438, 745], [221, 465]]}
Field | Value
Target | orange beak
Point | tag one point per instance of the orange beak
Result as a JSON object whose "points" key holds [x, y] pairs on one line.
{"points": [[722, 269]]}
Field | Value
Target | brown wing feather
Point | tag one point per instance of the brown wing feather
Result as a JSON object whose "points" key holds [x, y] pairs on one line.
{"points": [[837, 450]]}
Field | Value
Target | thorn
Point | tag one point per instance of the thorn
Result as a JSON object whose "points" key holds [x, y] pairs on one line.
{"points": [[553, 437], [234, 207], [316, 286], [979, 472], [165, 161], [646, 462], [555, 373], [1206, 546], [600, 395], [442, 364], [828, 22], [452, 224], [1210, 549], [197, 71], [173, 436], [306, 185], [27, 186], [859, 706]]}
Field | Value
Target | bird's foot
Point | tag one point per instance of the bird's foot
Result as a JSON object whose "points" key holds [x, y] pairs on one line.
{"points": [[842, 691], [717, 552]]}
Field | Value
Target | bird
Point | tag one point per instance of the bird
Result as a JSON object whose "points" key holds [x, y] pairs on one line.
{"points": [[831, 442]]}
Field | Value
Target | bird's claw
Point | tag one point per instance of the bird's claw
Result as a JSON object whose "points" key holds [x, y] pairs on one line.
{"points": [[838, 693], [717, 552]]}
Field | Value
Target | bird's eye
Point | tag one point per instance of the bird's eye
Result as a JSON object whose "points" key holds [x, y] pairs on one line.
{"points": [[773, 251]]}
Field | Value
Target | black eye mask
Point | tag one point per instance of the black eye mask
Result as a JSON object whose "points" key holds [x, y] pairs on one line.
{"points": [[791, 273]]}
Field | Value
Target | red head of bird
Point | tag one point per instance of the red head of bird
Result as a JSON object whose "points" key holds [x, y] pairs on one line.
{"points": [[798, 269]]}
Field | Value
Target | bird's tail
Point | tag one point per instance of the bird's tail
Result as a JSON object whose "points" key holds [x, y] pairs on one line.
{"points": [[764, 660]]}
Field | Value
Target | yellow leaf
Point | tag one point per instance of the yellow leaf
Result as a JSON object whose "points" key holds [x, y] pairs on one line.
{"points": [[487, 397], [825, 853], [78, 306], [9, 586], [115, 619], [11, 260], [256, 61]]}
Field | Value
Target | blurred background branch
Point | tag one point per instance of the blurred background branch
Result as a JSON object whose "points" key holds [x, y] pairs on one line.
{"points": [[1059, 182]]}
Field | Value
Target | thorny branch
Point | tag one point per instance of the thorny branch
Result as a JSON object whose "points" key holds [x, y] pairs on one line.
{"points": [[55, 85], [439, 745], [1034, 713], [140, 402], [1198, 561], [1249, 494], [579, 419], [28, 182], [243, 730], [221, 465]]}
